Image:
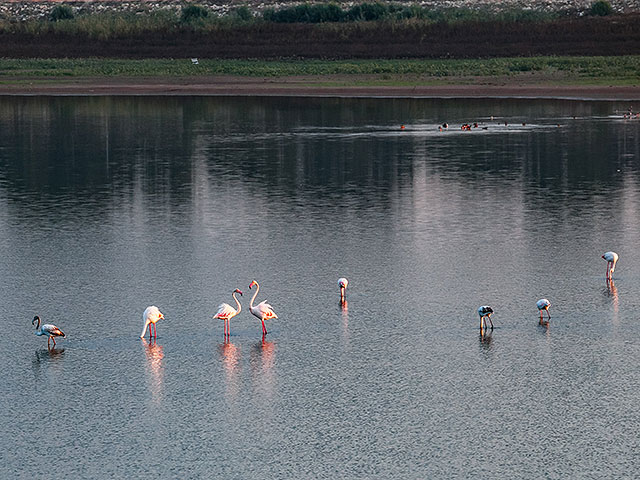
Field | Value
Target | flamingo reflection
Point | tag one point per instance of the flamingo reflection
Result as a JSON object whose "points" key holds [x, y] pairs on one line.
{"points": [[262, 361], [612, 291], [486, 336], [154, 354], [230, 355]]}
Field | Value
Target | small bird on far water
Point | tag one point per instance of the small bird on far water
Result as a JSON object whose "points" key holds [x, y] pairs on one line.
{"points": [[485, 312], [612, 259], [150, 316], [544, 304], [342, 285], [47, 329], [226, 312], [263, 310]]}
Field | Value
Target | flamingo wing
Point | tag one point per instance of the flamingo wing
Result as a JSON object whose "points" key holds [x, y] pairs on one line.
{"points": [[52, 330], [266, 310], [225, 311]]}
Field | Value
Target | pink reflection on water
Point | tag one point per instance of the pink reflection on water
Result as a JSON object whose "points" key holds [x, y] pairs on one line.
{"points": [[155, 369], [230, 355]]}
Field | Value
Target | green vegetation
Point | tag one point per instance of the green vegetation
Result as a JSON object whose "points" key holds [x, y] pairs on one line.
{"points": [[61, 12], [193, 12], [601, 8], [596, 70], [368, 12], [117, 24]]}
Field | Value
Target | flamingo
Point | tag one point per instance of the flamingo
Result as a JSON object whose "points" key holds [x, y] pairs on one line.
{"points": [[612, 259], [263, 310], [544, 304], [47, 329], [226, 312], [485, 311], [342, 285], [150, 316]]}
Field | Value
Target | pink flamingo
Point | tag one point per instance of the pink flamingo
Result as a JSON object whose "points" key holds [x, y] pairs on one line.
{"points": [[226, 312], [263, 310], [47, 329], [150, 316], [342, 284], [544, 304], [612, 259]]}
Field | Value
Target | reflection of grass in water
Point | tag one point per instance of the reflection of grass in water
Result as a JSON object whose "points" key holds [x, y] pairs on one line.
{"points": [[624, 70]]}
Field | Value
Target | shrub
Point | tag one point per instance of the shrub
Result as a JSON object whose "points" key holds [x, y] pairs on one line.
{"points": [[243, 13], [193, 12], [601, 8], [61, 12]]}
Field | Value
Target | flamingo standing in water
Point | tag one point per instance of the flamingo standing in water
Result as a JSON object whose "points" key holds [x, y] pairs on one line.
{"points": [[612, 259], [150, 316], [226, 312], [544, 304], [47, 329], [342, 285], [263, 310], [485, 312]]}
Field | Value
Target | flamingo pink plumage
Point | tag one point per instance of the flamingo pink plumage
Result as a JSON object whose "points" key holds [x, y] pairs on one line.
{"points": [[47, 329], [226, 312], [263, 310], [150, 316]]}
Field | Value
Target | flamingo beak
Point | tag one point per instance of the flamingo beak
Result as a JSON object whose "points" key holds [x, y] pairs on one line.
{"points": [[162, 316]]}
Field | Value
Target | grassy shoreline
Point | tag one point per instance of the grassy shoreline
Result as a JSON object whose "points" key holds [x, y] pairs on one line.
{"points": [[621, 71]]}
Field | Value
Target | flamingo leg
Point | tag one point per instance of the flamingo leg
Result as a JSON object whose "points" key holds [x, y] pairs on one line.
{"points": [[155, 331], [48, 341], [490, 321], [548, 314], [481, 323]]}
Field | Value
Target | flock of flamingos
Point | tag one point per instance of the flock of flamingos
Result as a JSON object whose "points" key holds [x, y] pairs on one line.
{"points": [[263, 311]]}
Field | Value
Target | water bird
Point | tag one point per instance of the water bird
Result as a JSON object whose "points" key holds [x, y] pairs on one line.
{"points": [[150, 316], [47, 329], [263, 310], [226, 312], [543, 304], [485, 312], [612, 259], [342, 285], [194, 61]]}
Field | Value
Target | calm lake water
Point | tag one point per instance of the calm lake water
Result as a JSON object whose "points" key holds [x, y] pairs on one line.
{"points": [[108, 205]]}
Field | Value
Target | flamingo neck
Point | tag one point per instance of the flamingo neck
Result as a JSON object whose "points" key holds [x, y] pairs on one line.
{"points": [[254, 296], [237, 302]]}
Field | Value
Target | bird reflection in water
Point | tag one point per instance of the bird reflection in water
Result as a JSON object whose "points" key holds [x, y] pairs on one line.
{"points": [[154, 355], [46, 357], [262, 361], [230, 355], [344, 307], [486, 338], [612, 292]]}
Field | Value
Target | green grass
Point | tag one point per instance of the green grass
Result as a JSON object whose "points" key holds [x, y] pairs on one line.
{"points": [[621, 70]]}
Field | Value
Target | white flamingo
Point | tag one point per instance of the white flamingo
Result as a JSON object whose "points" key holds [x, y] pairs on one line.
{"points": [[543, 304], [150, 316], [47, 329], [263, 310], [485, 312], [226, 312], [612, 259], [342, 285]]}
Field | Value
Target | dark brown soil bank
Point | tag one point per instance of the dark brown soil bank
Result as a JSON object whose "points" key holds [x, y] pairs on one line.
{"points": [[615, 35]]}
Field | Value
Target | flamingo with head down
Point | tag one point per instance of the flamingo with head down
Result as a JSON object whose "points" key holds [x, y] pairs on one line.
{"points": [[226, 312], [150, 316], [342, 285], [612, 259], [47, 329], [544, 304], [263, 310], [485, 312]]}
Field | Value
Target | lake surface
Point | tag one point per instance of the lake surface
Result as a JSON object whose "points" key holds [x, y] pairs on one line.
{"points": [[108, 205]]}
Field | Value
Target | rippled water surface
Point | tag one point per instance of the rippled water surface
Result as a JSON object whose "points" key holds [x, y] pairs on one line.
{"points": [[108, 205]]}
